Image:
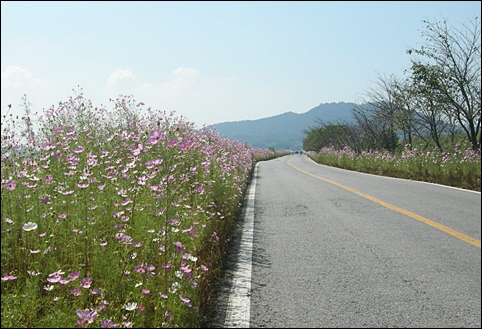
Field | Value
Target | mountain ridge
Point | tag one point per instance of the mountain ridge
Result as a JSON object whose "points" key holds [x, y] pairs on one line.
{"points": [[282, 131]]}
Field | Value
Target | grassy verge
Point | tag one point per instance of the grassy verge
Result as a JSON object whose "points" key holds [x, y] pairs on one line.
{"points": [[459, 167]]}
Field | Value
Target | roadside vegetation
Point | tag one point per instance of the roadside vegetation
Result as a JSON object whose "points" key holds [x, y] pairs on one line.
{"points": [[459, 167], [115, 218], [425, 126]]}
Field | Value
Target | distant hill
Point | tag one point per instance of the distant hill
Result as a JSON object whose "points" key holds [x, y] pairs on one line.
{"points": [[283, 131]]}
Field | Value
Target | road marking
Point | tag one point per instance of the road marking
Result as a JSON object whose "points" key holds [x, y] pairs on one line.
{"points": [[238, 309], [441, 227]]}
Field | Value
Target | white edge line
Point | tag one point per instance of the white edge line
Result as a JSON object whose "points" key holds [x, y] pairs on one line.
{"points": [[238, 309]]}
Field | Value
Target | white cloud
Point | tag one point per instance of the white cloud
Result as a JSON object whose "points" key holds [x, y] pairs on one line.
{"points": [[118, 75], [16, 76], [181, 85], [185, 72], [19, 81]]}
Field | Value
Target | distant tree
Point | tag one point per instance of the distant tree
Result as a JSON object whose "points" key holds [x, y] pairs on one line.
{"points": [[405, 101], [453, 70], [379, 116], [326, 134], [433, 116]]}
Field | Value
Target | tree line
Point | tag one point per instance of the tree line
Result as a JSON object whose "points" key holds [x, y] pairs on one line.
{"points": [[437, 104]]}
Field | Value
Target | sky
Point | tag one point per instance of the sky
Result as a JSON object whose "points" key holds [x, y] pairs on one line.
{"points": [[211, 62]]}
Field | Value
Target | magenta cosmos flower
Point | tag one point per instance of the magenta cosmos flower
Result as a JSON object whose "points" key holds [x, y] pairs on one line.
{"points": [[85, 282], [179, 247], [86, 317]]}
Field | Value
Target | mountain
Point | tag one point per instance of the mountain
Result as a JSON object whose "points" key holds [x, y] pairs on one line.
{"points": [[283, 131]]}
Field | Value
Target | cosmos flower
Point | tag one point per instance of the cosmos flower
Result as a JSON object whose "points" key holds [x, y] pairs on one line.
{"points": [[11, 185], [30, 226], [179, 247], [76, 292], [130, 306], [86, 317], [108, 324], [85, 282], [8, 277]]}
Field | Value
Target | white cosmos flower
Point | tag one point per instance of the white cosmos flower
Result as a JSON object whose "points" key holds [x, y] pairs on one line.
{"points": [[193, 258], [175, 287], [130, 306], [30, 226]]}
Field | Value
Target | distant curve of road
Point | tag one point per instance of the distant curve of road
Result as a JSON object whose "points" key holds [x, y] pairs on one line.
{"points": [[325, 247]]}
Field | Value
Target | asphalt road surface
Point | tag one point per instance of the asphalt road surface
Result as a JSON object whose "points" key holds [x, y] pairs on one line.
{"points": [[325, 247]]}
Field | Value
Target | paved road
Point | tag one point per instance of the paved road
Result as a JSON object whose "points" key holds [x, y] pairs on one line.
{"points": [[325, 247]]}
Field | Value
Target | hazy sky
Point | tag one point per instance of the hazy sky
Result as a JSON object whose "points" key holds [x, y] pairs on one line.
{"points": [[211, 62]]}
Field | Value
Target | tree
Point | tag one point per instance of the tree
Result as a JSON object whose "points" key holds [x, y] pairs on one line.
{"points": [[433, 115], [379, 117], [327, 134], [453, 71]]}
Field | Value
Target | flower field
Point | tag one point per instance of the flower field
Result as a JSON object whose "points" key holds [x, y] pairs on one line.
{"points": [[115, 218], [459, 167]]}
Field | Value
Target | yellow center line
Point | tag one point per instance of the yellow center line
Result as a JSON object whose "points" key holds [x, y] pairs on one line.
{"points": [[441, 227]]}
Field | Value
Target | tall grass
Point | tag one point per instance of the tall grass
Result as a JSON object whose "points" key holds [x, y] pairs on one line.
{"points": [[459, 167], [115, 218]]}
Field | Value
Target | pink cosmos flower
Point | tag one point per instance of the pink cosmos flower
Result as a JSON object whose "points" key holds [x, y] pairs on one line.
{"points": [[126, 202], [11, 185], [85, 282], [76, 292], [185, 146], [185, 300], [156, 136], [54, 279], [86, 317], [179, 247], [74, 276], [108, 324], [7, 277], [49, 179]]}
